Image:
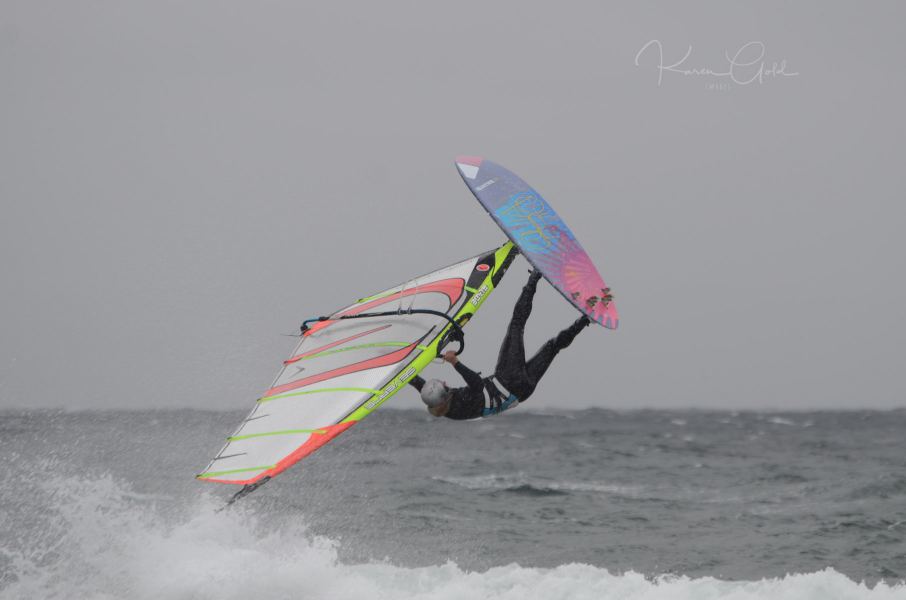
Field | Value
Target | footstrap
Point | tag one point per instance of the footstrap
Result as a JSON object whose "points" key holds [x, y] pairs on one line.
{"points": [[499, 398]]}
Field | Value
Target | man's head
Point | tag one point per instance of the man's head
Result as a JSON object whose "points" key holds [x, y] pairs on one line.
{"points": [[436, 396]]}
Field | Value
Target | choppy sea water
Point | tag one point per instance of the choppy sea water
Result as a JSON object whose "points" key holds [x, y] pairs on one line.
{"points": [[588, 504]]}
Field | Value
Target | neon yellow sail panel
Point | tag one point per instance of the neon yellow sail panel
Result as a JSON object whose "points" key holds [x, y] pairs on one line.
{"points": [[350, 363]]}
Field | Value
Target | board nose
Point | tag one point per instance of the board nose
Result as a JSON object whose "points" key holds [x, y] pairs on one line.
{"points": [[468, 165]]}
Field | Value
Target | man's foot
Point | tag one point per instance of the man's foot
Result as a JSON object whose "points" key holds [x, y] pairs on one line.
{"points": [[566, 337], [580, 324], [534, 276]]}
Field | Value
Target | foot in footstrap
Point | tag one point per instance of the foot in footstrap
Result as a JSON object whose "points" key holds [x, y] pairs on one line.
{"points": [[566, 337]]}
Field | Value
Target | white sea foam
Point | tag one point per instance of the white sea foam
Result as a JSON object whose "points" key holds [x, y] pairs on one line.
{"points": [[107, 545]]}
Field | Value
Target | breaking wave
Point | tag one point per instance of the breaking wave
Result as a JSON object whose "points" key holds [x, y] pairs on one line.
{"points": [[101, 540]]}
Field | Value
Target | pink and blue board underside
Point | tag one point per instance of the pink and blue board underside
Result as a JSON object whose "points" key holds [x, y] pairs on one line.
{"points": [[541, 236]]}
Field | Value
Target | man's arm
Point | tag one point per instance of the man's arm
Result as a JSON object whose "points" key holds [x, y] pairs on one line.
{"points": [[473, 379], [417, 382]]}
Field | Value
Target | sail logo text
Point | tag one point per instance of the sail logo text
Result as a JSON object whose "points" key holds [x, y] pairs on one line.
{"points": [[390, 389], [479, 295]]}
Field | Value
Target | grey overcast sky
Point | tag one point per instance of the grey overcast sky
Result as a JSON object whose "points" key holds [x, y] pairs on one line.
{"points": [[182, 182]]}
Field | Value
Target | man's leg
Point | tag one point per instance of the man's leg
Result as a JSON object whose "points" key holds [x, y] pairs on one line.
{"points": [[510, 369], [539, 363]]}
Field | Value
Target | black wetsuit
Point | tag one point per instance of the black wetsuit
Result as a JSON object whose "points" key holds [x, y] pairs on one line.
{"points": [[467, 402], [481, 397]]}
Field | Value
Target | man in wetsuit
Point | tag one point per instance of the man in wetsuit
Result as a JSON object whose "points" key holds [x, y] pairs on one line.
{"points": [[483, 396]]}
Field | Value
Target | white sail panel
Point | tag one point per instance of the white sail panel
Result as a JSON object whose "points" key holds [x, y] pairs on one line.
{"points": [[339, 365]]}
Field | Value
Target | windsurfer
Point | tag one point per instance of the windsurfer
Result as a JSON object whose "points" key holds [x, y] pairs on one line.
{"points": [[483, 396]]}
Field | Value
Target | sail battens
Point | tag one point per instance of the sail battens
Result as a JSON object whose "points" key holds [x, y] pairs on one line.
{"points": [[342, 369]]}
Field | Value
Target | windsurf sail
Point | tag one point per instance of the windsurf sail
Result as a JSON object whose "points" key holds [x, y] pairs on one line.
{"points": [[541, 236], [350, 362]]}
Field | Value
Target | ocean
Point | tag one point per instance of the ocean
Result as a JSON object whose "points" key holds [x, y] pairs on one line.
{"points": [[589, 504]]}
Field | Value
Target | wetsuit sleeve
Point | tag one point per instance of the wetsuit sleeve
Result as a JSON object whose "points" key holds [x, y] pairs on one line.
{"points": [[473, 379], [417, 382]]}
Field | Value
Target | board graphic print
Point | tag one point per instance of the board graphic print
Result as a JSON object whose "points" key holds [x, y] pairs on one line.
{"points": [[541, 236]]}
